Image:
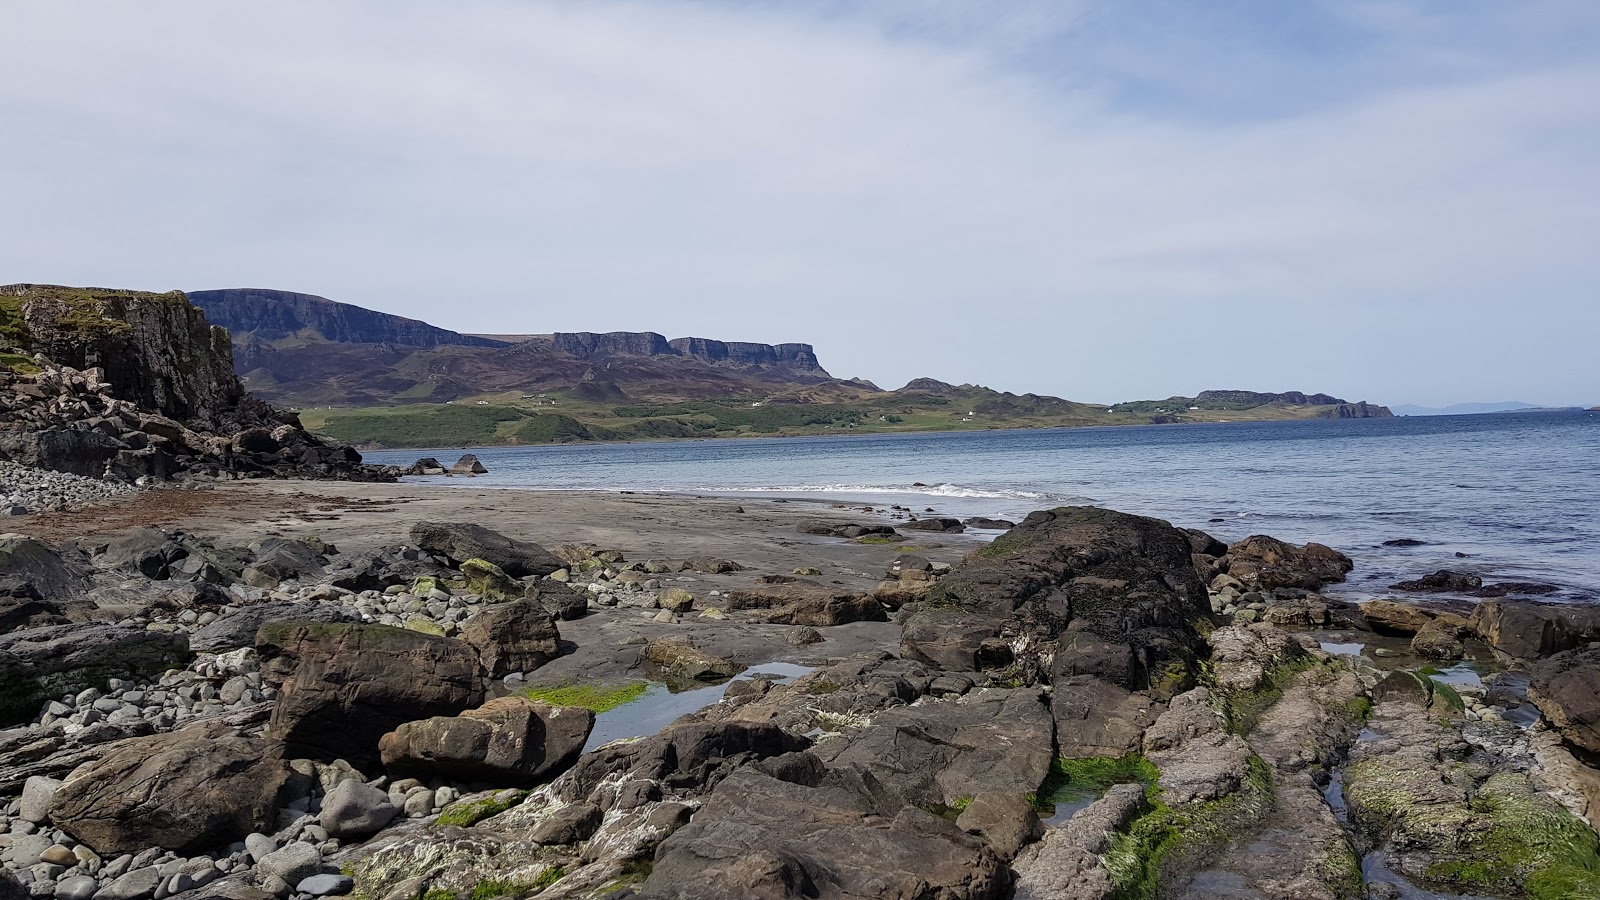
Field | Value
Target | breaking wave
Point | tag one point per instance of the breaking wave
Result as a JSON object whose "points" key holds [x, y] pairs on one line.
{"points": [[927, 490]]}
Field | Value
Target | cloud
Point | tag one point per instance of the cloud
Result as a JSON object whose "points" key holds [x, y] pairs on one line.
{"points": [[1102, 201]]}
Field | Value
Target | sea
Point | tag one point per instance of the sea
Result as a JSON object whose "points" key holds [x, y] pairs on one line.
{"points": [[1508, 496]]}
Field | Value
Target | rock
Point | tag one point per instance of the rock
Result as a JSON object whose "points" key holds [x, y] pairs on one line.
{"points": [[1006, 821], [294, 863], [843, 529], [1069, 863], [1403, 687], [937, 525], [568, 825], [519, 636], [802, 635], [186, 791], [51, 575], [354, 810], [468, 464], [510, 741], [679, 660], [26, 848], [987, 524], [1443, 581], [460, 542], [37, 795], [1263, 563], [427, 465], [57, 855], [76, 887], [1125, 579], [343, 687], [139, 884], [65, 659], [1566, 688], [238, 629], [1529, 630], [1395, 616], [259, 845], [806, 603], [1199, 760], [676, 600], [325, 885], [709, 565], [1441, 638]]}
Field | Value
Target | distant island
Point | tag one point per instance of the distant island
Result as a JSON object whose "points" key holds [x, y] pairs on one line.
{"points": [[1462, 409], [385, 381]]}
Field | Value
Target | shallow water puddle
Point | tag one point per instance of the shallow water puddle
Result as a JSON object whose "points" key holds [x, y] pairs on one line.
{"points": [[1338, 648], [1065, 810], [659, 705], [1375, 869]]}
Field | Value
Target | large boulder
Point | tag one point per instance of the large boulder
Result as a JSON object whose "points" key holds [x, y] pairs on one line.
{"points": [[188, 791], [806, 603], [1126, 579], [510, 741], [277, 560], [47, 662], [1395, 616], [511, 637], [342, 687], [1264, 563], [238, 629], [1566, 688], [461, 541], [1529, 630], [52, 575]]}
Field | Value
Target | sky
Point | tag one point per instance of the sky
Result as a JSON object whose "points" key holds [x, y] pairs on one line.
{"points": [[1383, 200]]}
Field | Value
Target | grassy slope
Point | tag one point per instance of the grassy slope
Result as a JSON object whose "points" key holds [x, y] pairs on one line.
{"points": [[507, 419]]}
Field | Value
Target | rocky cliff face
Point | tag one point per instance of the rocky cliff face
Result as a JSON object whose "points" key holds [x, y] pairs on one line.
{"points": [[586, 344], [1256, 398], [268, 315], [157, 351]]}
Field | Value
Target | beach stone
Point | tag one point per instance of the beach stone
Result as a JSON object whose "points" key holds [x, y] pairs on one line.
{"points": [[259, 845], [139, 884], [45, 663], [57, 855], [325, 885], [1395, 616], [519, 636], [1263, 563], [38, 792], [355, 810], [678, 659], [26, 848], [1566, 688], [468, 464], [342, 687], [185, 791], [293, 863], [238, 629], [676, 600], [507, 741], [76, 887], [460, 542]]}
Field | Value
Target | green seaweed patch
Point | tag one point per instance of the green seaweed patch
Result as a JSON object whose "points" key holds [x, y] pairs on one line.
{"points": [[1071, 780], [1450, 696], [880, 539], [439, 894], [1242, 709], [464, 813], [1533, 845], [1167, 838], [1357, 710], [595, 698]]}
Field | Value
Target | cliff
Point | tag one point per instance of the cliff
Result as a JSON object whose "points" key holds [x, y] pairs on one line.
{"points": [[584, 344], [157, 350], [267, 316]]}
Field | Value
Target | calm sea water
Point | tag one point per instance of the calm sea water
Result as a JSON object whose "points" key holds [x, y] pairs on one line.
{"points": [[1518, 493]]}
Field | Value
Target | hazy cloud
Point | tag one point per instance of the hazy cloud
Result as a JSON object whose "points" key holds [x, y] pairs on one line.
{"points": [[1394, 201]]}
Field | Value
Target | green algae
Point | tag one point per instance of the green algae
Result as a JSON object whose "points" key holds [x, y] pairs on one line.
{"points": [[597, 698], [464, 813], [1242, 710], [1071, 780]]}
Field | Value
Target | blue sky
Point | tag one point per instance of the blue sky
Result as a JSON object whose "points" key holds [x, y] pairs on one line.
{"points": [[1394, 201]]}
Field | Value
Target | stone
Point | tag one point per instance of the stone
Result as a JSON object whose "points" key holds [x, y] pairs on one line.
{"points": [[1006, 821], [42, 663], [355, 810], [1566, 688], [937, 525], [26, 848], [519, 636], [676, 600], [47, 573], [342, 687], [325, 885], [294, 863], [679, 660], [238, 629], [461, 542], [1443, 581], [139, 884], [1263, 563], [187, 791], [76, 887], [1395, 616], [37, 794], [806, 603], [468, 464], [259, 845], [1069, 863], [511, 741], [1441, 638], [568, 825], [709, 565], [1528, 630], [489, 581], [57, 855]]}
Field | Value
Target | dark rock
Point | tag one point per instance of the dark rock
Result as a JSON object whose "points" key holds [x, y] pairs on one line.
{"points": [[568, 825], [355, 809], [939, 525], [460, 542], [806, 603], [1529, 630], [709, 565], [1264, 563], [51, 575], [1566, 688], [1125, 579], [21, 608], [987, 524], [255, 440], [343, 687], [692, 756], [285, 560], [188, 791], [41, 663], [1204, 544], [508, 741], [519, 636], [1441, 582], [676, 660], [427, 465], [239, 629], [468, 464], [1404, 542]]}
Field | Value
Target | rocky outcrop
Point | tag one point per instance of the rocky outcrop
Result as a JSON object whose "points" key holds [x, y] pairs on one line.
{"points": [[586, 345], [461, 542], [46, 662], [1263, 563], [1566, 688], [519, 636], [802, 602], [509, 741], [343, 687], [269, 315], [1529, 630], [195, 789]]}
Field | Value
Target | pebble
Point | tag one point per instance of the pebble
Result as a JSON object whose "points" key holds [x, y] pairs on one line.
{"points": [[76, 887], [325, 885]]}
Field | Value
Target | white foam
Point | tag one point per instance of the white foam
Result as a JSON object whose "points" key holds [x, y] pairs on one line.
{"points": [[926, 490]]}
